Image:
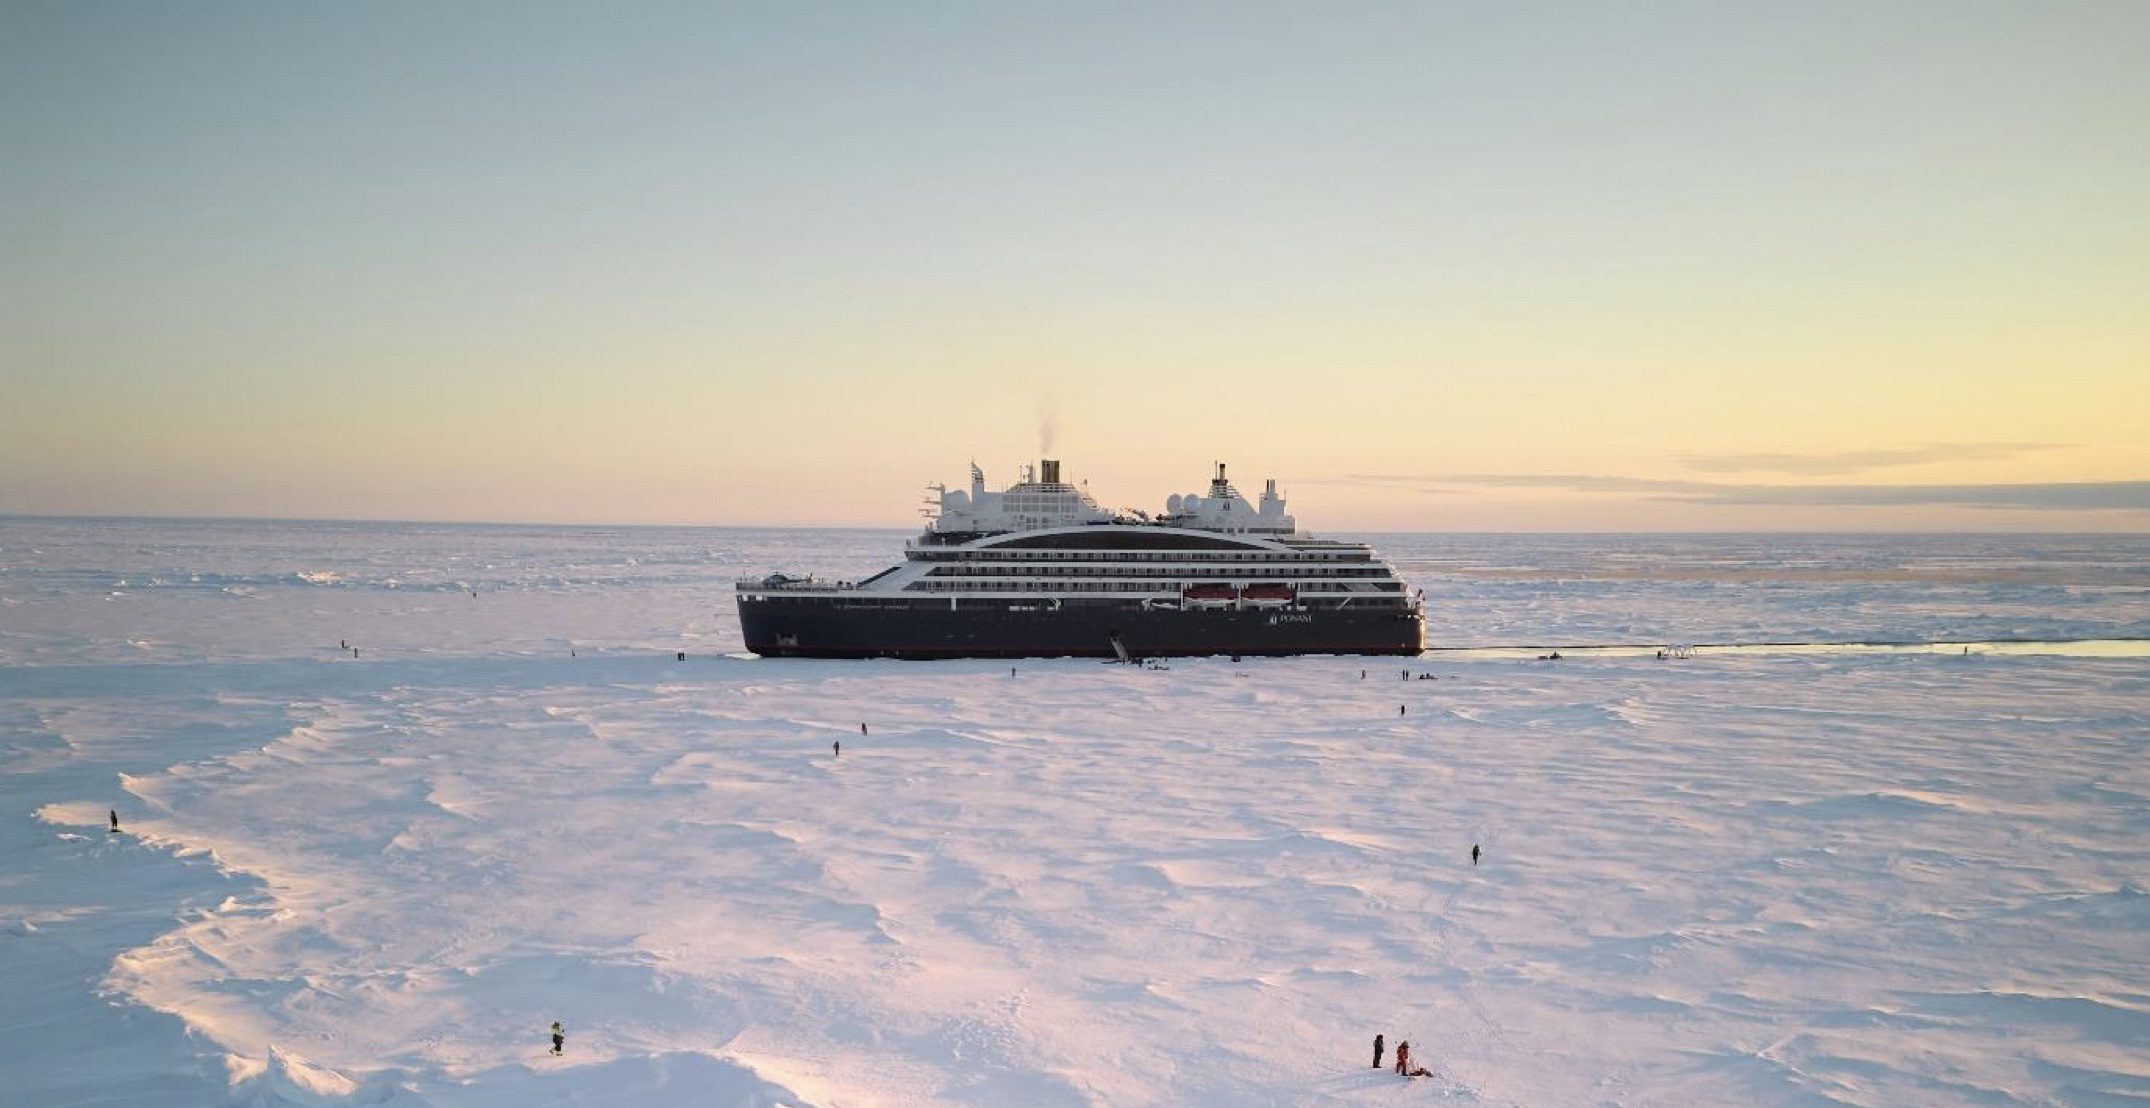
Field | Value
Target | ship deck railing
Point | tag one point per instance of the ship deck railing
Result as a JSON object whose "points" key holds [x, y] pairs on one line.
{"points": [[800, 584]]}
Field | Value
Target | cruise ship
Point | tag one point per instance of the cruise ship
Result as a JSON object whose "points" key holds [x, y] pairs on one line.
{"points": [[1039, 570]]}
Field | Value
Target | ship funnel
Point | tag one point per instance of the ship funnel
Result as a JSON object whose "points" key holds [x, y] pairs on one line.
{"points": [[1048, 471]]}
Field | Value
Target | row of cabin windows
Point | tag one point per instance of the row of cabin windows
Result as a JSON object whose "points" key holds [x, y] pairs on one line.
{"points": [[938, 605], [1055, 585], [1318, 600], [1159, 556], [1294, 572]]}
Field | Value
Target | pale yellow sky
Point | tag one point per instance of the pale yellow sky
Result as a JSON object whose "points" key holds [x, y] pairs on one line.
{"points": [[1548, 268]]}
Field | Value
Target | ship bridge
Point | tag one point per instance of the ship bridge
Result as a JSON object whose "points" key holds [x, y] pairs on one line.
{"points": [[1041, 499]]}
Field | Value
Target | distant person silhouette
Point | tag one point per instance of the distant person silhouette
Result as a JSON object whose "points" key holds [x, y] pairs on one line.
{"points": [[1403, 1059], [839, 747], [559, 1038], [1474, 854], [1377, 1052], [115, 820], [862, 728]]}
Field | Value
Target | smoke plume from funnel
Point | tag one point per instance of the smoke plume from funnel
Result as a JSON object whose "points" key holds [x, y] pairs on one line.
{"points": [[1048, 426]]}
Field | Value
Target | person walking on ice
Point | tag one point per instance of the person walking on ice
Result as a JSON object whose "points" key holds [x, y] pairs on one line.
{"points": [[1403, 1059], [559, 1039], [1377, 1052], [838, 746], [1474, 854], [115, 820]]}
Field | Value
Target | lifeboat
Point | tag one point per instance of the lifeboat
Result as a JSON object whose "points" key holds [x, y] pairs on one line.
{"points": [[1268, 595], [1208, 595]]}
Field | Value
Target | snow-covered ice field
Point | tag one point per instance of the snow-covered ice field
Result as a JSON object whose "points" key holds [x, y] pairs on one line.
{"points": [[1770, 879]]}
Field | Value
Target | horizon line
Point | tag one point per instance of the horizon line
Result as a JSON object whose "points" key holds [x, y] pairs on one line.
{"points": [[46, 517]]}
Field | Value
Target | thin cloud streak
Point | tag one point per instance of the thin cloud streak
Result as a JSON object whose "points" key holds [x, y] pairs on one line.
{"points": [[2094, 496], [2085, 496], [1859, 461]]}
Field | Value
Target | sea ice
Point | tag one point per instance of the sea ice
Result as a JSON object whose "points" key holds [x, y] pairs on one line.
{"points": [[1872, 880]]}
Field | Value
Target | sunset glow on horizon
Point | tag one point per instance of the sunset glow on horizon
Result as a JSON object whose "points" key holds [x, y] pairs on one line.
{"points": [[1434, 267]]}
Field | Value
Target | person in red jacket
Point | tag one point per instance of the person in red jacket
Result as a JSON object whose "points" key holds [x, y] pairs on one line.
{"points": [[1403, 1059]]}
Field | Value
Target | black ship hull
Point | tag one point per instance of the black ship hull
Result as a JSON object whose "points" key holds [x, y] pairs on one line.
{"points": [[855, 627]]}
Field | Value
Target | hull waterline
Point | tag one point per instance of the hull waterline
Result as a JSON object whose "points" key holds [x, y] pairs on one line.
{"points": [[826, 631]]}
